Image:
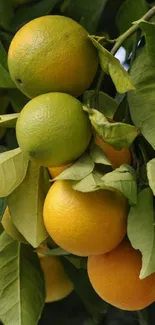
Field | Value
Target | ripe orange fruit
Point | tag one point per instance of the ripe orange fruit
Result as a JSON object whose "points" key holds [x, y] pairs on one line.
{"points": [[84, 223], [115, 277], [116, 157], [53, 129], [52, 53], [56, 171], [10, 228], [58, 284]]}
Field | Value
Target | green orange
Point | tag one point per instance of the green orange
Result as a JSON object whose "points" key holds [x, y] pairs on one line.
{"points": [[53, 129]]}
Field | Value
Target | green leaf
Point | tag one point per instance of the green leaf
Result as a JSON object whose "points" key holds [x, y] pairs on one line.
{"points": [[129, 12], [143, 317], [105, 104], [98, 155], [80, 169], [17, 99], [3, 56], [3, 204], [6, 13], [78, 262], [94, 304], [55, 252], [13, 167], [5, 79], [149, 30], [21, 283], [141, 231], [112, 66], [118, 135], [87, 13], [26, 212], [4, 102], [124, 180], [87, 184], [27, 13], [8, 120], [151, 174], [142, 100]]}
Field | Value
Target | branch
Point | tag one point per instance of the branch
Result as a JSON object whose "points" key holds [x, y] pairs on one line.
{"points": [[120, 40]]}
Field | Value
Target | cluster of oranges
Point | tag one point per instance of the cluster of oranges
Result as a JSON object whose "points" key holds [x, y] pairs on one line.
{"points": [[52, 61]]}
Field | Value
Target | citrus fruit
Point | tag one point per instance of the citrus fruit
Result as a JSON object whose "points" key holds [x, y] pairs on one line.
{"points": [[52, 53], [84, 223], [115, 277], [10, 228], [116, 157], [58, 284], [53, 129], [56, 171]]}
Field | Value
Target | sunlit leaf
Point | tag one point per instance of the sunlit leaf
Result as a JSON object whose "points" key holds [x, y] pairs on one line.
{"points": [[118, 135], [142, 100], [112, 66], [151, 174], [80, 169], [105, 104], [8, 120], [124, 180], [27, 211], [21, 283], [13, 168], [141, 231]]}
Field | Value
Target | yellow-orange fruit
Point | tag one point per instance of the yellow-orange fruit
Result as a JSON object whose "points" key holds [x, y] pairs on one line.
{"points": [[55, 171], [115, 277], [52, 54], [85, 223], [58, 284], [116, 157], [10, 228]]}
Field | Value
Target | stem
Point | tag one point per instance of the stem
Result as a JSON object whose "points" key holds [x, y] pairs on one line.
{"points": [[120, 40], [134, 49], [132, 30]]}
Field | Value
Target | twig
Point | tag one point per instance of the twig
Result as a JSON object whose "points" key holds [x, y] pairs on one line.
{"points": [[120, 40], [134, 49]]}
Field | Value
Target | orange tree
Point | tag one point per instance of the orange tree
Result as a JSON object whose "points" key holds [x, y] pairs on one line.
{"points": [[77, 111]]}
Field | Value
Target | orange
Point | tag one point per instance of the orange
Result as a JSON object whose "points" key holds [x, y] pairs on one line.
{"points": [[10, 228], [56, 171], [58, 284], [115, 277], [84, 223], [116, 157], [53, 129], [52, 53]]}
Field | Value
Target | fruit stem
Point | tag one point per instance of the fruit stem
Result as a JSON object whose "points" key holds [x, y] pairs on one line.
{"points": [[120, 40]]}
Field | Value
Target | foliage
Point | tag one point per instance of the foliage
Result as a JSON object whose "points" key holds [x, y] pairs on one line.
{"points": [[121, 108]]}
